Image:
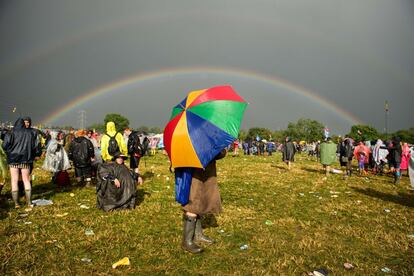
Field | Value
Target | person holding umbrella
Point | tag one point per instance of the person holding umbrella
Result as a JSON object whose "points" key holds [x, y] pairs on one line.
{"points": [[201, 127]]}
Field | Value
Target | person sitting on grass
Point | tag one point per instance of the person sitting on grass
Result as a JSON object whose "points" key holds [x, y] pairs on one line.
{"points": [[116, 188]]}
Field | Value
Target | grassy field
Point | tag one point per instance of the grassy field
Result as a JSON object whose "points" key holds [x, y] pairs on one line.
{"points": [[292, 221]]}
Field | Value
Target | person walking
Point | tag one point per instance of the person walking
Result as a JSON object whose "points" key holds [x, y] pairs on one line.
{"points": [[362, 153], [112, 142], [19, 145], [395, 160], [204, 199], [288, 152], [82, 153], [405, 157], [135, 149], [328, 154], [346, 154]]}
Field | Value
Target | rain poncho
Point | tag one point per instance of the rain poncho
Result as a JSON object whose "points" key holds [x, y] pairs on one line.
{"points": [[379, 154], [405, 157], [3, 164], [111, 130], [328, 153], [56, 157], [109, 197], [361, 148], [411, 167]]}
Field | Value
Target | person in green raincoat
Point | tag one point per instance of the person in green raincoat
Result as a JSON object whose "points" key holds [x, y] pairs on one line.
{"points": [[3, 166], [328, 154]]}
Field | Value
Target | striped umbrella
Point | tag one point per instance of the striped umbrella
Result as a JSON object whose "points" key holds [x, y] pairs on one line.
{"points": [[202, 125]]}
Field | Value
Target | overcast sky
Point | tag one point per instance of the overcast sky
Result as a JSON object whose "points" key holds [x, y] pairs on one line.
{"points": [[288, 59]]}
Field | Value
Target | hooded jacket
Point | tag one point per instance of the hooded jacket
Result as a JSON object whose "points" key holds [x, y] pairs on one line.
{"points": [[111, 130], [81, 151], [288, 151], [36, 133], [19, 144]]}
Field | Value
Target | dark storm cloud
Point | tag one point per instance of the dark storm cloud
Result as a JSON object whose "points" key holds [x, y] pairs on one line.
{"points": [[357, 54]]}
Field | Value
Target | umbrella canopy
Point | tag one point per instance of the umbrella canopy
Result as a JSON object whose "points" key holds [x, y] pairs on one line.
{"points": [[202, 125]]}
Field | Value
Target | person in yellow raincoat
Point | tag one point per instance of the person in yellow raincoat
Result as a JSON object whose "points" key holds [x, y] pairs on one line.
{"points": [[105, 142]]}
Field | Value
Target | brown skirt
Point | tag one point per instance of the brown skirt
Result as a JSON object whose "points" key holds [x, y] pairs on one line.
{"points": [[204, 193]]}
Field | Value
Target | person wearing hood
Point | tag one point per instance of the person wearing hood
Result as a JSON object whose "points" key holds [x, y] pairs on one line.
{"points": [[56, 159], [135, 149], [328, 154], [116, 188], [288, 152], [405, 157], [396, 152], [112, 142], [379, 154], [19, 145], [345, 155], [81, 152]]}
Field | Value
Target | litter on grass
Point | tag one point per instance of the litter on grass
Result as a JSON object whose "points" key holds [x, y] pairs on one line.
{"points": [[86, 260], [123, 261], [89, 232], [348, 266], [244, 247], [318, 272], [386, 270], [386, 210], [83, 206], [61, 215], [42, 202]]}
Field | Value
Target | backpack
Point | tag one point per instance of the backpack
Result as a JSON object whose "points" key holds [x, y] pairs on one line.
{"points": [[112, 144], [138, 147]]}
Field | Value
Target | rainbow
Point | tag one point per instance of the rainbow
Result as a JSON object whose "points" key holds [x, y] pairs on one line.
{"points": [[119, 85]]}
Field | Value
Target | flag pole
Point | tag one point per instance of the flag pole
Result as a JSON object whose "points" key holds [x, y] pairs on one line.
{"points": [[386, 118]]}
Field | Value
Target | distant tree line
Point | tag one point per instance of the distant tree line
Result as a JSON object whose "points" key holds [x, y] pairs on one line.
{"points": [[304, 129]]}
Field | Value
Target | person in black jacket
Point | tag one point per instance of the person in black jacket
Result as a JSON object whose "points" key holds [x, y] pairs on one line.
{"points": [[288, 152], [135, 149], [395, 152], [19, 145], [81, 152], [346, 152]]}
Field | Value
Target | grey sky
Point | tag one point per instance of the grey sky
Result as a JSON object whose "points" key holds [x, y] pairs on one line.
{"points": [[357, 54]]}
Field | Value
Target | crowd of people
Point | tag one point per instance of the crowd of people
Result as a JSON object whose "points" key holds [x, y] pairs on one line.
{"points": [[94, 157], [98, 159]]}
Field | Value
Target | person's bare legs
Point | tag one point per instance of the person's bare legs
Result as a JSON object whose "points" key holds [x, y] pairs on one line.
{"points": [[27, 186], [14, 175]]}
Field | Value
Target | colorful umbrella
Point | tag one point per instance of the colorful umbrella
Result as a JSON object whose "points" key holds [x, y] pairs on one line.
{"points": [[202, 125]]}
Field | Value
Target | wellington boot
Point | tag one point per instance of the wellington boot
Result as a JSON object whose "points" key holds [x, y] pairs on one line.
{"points": [[199, 236], [188, 235]]}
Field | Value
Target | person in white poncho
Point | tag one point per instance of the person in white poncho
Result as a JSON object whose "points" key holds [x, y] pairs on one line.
{"points": [[379, 155], [56, 157]]}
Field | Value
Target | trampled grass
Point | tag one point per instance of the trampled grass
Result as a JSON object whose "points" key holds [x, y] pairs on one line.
{"points": [[292, 221]]}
